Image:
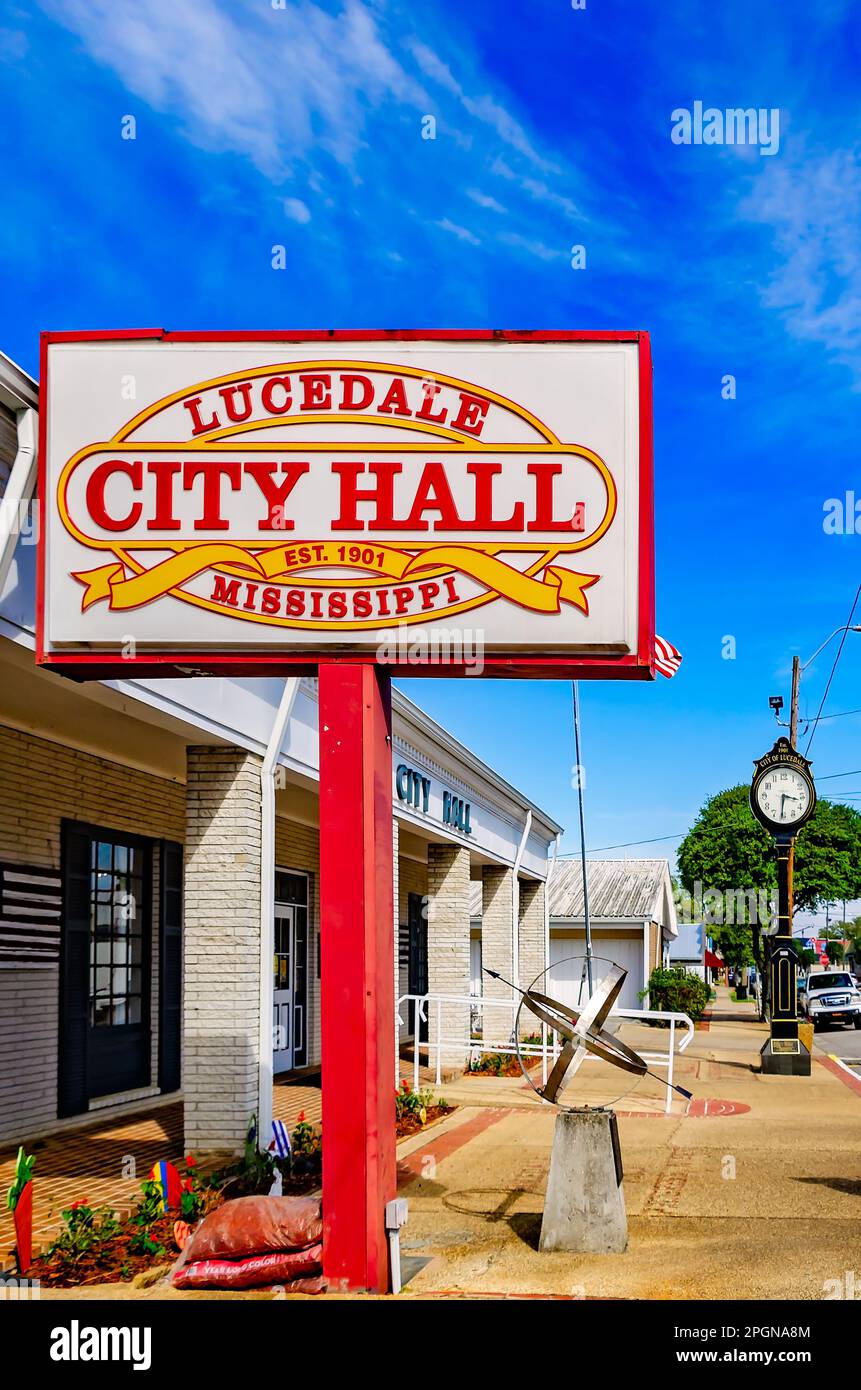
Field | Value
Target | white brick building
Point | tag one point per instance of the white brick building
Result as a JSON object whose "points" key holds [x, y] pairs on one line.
{"points": [[131, 858]]}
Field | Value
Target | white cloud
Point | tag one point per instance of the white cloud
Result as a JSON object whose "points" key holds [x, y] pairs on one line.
{"points": [[298, 90], [462, 233], [269, 84], [484, 108], [812, 203], [484, 200], [537, 189], [532, 246], [296, 210]]}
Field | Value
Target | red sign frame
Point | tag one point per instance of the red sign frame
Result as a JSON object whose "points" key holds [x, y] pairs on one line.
{"points": [[636, 666]]}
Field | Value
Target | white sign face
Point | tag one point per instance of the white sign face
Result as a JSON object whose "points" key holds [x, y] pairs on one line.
{"points": [[397, 497]]}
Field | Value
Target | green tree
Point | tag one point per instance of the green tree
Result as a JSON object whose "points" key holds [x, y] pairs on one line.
{"points": [[828, 856], [735, 944], [853, 936], [727, 852], [726, 848]]}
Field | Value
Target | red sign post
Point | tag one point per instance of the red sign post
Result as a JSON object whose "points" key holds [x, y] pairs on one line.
{"points": [[357, 991]]}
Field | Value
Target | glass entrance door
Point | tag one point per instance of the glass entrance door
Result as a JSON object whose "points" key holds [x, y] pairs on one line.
{"points": [[283, 1030]]}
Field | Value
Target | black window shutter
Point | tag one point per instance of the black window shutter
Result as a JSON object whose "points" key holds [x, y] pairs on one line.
{"points": [[418, 958], [170, 967], [418, 966], [72, 1091]]}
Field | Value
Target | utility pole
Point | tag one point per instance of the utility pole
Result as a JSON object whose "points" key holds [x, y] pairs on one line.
{"points": [[793, 732]]}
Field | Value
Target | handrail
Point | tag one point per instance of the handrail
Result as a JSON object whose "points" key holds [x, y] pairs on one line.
{"points": [[545, 1049]]}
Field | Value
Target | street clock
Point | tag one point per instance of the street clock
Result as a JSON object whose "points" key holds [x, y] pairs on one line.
{"points": [[782, 793]]}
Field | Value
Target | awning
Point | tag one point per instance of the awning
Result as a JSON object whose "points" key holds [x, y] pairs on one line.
{"points": [[714, 962]]}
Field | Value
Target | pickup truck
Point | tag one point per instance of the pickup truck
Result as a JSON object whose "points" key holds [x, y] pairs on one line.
{"points": [[830, 996]]}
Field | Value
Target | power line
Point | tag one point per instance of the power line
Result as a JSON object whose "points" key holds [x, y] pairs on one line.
{"points": [[834, 667], [657, 839], [628, 845], [844, 714]]}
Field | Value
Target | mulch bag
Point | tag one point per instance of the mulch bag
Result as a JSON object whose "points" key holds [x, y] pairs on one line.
{"points": [[256, 1226], [298, 1271]]}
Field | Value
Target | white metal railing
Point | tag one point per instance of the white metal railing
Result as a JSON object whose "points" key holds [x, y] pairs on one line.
{"points": [[548, 1048]]}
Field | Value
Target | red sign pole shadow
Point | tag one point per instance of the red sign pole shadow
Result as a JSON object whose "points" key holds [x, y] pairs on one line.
{"points": [[357, 973]]}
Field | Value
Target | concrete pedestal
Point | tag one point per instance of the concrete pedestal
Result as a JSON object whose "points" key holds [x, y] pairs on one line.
{"points": [[584, 1211], [785, 1057]]}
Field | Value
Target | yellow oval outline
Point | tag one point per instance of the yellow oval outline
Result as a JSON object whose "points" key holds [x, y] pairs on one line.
{"points": [[578, 450]]}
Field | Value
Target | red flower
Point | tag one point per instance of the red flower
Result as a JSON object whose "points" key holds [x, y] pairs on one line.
{"points": [[187, 1185], [82, 1202], [190, 1161], [300, 1118], [405, 1087]]}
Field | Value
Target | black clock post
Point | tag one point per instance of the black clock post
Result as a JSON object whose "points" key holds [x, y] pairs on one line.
{"points": [[783, 797]]}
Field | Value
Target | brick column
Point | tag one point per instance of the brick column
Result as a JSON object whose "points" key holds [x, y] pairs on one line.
{"points": [[448, 946], [221, 1005], [497, 917], [531, 929]]}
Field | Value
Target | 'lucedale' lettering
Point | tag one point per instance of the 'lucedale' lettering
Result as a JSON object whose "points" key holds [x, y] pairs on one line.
{"points": [[390, 396]]}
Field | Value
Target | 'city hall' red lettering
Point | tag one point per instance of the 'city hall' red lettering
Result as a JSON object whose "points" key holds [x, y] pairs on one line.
{"points": [[168, 495]]}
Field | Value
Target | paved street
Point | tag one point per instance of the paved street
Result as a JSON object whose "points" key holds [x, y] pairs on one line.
{"points": [[840, 1042]]}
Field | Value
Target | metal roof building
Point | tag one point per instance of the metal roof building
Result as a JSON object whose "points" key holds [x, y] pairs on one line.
{"points": [[633, 917]]}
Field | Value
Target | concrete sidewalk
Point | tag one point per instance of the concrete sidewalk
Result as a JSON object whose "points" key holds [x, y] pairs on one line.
{"points": [[760, 1201], [760, 1198]]}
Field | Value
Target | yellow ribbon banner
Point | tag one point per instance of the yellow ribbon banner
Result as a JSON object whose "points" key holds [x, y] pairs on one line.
{"points": [[546, 594]]}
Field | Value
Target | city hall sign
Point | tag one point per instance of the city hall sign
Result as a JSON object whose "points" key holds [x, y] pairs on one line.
{"points": [[233, 501]]}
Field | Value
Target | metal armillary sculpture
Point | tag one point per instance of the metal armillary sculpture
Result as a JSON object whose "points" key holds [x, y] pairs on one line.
{"points": [[582, 1030]]}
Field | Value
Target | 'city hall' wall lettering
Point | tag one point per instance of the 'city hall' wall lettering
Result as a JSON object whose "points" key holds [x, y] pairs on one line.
{"points": [[414, 789]]}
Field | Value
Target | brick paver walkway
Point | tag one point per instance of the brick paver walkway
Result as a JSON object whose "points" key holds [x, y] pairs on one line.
{"points": [[106, 1162]]}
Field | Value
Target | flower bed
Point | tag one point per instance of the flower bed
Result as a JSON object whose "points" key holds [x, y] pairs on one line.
{"points": [[98, 1247], [415, 1110]]}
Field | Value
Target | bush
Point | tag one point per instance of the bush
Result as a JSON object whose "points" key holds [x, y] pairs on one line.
{"points": [[677, 992]]}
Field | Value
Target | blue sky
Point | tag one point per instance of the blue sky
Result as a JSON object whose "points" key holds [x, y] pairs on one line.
{"points": [[259, 124]]}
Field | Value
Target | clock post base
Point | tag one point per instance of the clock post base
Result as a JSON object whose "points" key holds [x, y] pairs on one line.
{"points": [[785, 1057]]}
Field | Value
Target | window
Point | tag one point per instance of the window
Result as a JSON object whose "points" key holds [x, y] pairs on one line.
{"points": [[833, 981], [116, 933]]}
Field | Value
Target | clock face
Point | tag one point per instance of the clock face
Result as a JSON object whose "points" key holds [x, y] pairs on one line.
{"points": [[783, 795]]}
